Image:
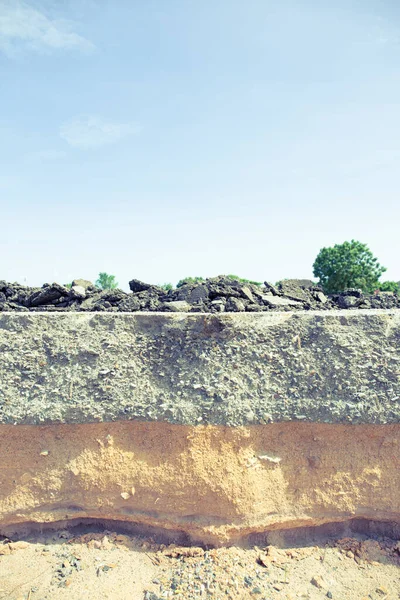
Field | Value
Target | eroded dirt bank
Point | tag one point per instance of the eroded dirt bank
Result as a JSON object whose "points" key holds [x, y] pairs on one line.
{"points": [[214, 483]]}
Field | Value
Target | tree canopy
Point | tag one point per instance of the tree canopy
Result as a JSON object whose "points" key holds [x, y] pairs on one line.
{"points": [[106, 281], [347, 265]]}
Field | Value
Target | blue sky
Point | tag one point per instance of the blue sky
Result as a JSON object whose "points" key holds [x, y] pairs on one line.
{"points": [[163, 138]]}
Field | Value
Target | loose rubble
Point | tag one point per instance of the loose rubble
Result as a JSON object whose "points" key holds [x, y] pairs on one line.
{"points": [[214, 295], [86, 565]]}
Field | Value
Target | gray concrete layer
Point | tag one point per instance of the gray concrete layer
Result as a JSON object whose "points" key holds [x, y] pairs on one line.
{"points": [[232, 369]]}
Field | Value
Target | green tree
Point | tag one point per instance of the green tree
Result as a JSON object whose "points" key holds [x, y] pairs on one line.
{"points": [[166, 287], [243, 280], [389, 286], [106, 281], [347, 265], [182, 282]]}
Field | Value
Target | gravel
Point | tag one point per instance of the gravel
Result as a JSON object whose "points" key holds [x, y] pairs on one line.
{"points": [[214, 295], [232, 369]]}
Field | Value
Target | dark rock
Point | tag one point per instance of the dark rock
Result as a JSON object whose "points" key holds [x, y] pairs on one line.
{"points": [[138, 286], [357, 293], [149, 301], [254, 308], [223, 286], [214, 295], [90, 303], [193, 294], [218, 305], [129, 304], [47, 295], [113, 296], [234, 305], [348, 301], [290, 288], [271, 288]]}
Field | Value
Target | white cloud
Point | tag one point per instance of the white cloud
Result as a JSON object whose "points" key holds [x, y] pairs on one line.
{"points": [[23, 27], [90, 131]]}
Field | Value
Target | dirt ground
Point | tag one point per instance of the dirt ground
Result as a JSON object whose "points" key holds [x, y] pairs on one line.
{"points": [[89, 564]]}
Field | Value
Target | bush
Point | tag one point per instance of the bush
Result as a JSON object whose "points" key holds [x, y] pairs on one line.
{"points": [[166, 287], [389, 286], [243, 280], [186, 280], [347, 265], [106, 281]]}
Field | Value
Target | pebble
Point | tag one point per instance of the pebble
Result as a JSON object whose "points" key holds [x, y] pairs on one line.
{"points": [[319, 582], [278, 587]]}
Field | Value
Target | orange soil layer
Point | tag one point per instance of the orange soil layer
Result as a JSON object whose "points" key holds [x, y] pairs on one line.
{"points": [[215, 483]]}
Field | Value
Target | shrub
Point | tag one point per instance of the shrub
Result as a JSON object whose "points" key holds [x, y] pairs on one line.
{"points": [[106, 281], [182, 282], [243, 280], [166, 287], [389, 286], [347, 265]]}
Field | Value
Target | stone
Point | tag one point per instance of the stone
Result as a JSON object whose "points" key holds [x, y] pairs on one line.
{"points": [[223, 286], [20, 545], [47, 295], [270, 458], [177, 306], [278, 301], [77, 291], [138, 286], [319, 582], [348, 301], [85, 283], [194, 294], [218, 305], [113, 296], [234, 305], [355, 292], [320, 296], [90, 303], [299, 283], [271, 288], [129, 304], [246, 293], [292, 290]]}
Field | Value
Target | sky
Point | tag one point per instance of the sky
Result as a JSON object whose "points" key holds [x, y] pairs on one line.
{"points": [[161, 139]]}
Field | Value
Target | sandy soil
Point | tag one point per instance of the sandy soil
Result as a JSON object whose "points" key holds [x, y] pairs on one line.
{"points": [[88, 564], [216, 484]]}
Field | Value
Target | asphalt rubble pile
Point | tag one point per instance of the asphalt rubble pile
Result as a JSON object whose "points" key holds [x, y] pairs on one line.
{"points": [[214, 295]]}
